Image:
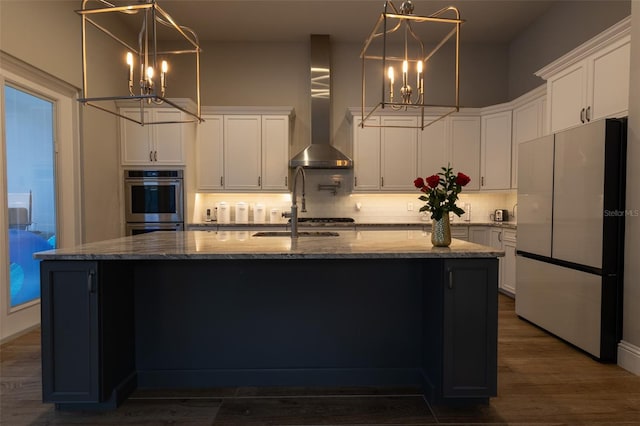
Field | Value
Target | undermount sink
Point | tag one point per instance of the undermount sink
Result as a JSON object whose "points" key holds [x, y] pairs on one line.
{"points": [[300, 234]]}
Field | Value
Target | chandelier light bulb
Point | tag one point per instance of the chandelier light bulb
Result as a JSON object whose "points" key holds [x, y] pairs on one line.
{"points": [[165, 66], [130, 64], [390, 75], [150, 74]]}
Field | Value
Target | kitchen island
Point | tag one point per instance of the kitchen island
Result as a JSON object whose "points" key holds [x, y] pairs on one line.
{"points": [[205, 309]]}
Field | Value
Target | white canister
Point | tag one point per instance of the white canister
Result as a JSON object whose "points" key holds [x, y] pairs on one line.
{"points": [[224, 212], [242, 212], [259, 213], [275, 216]]}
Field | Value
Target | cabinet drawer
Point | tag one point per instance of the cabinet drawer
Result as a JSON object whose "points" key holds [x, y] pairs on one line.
{"points": [[509, 235], [460, 232]]}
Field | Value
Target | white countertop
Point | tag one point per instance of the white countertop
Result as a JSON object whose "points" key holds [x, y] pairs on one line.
{"points": [[241, 244]]}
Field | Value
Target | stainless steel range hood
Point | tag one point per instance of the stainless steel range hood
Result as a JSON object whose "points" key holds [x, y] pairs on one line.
{"points": [[321, 154]]}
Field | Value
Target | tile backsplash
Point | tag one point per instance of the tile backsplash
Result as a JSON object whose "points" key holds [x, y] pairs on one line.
{"points": [[366, 208]]}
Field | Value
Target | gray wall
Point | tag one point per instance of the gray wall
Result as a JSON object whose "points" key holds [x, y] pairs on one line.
{"points": [[46, 35], [249, 73], [565, 26]]}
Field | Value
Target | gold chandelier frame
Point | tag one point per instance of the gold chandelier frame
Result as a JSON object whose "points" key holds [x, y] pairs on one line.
{"points": [[388, 23], [148, 52]]}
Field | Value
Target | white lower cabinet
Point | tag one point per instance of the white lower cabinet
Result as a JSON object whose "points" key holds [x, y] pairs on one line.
{"points": [[460, 232], [508, 278], [501, 239], [479, 235]]}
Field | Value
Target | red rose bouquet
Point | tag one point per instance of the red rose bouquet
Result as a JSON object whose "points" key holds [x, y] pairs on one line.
{"points": [[441, 192]]}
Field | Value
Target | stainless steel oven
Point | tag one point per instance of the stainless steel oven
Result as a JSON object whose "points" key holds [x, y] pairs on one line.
{"points": [[143, 228], [154, 197]]}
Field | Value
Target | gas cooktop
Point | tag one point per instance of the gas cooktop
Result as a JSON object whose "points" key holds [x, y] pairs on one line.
{"points": [[325, 220]]}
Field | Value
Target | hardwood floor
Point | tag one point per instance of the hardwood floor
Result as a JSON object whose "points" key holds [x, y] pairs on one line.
{"points": [[541, 381]]}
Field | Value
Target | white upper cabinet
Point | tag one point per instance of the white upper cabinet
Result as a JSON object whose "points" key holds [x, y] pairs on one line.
{"points": [[275, 152], [399, 151], [242, 152], [389, 158], [528, 124], [366, 155], [465, 147], [244, 149], [210, 153], [160, 144], [495, 155], [433, 148], [591, 81]]}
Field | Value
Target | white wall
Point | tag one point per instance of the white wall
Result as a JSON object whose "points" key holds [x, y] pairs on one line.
{"points": [[629, 353]]}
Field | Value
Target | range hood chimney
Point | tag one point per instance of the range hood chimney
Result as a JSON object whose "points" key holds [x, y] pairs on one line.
{"points": [[321, 154]]}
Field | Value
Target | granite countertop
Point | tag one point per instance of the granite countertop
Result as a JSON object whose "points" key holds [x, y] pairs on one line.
{"points": [[353, 225], [243, 245]]}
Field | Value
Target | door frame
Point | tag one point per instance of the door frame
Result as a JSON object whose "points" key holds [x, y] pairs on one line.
{"points": [[23, 76]]}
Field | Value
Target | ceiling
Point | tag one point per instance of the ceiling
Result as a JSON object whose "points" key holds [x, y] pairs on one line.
{"points": [[487, 21]]}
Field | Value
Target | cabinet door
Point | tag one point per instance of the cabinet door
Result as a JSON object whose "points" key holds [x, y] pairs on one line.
{"points": [[399, 152], [470, 329], [210, 153], [366, 155], [168, 143], [508, 278], [70, 367], [135, 140], [275, 152], [479, 235], [527, 125], [465, 148], [566, 94], [609, 81], [496, 151], [242, 154], [432, 148]]}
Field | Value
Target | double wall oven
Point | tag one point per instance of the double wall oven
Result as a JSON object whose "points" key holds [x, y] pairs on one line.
{"points": [[154, 201]]}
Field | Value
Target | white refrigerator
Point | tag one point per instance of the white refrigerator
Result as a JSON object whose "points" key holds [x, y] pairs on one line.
{"points": [[570, 249]]}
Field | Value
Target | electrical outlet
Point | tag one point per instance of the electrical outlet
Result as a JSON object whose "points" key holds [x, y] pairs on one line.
{"points": [[409, 207]]}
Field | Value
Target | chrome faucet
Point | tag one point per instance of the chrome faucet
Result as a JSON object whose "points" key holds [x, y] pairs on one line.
{"points": [[294, 206]]}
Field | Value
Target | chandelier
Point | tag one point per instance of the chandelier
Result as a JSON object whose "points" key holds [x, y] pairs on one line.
{"points": [[147, 68], [394, 56]]}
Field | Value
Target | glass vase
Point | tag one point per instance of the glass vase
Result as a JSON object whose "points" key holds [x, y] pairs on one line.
{"points": [[441, 231]]}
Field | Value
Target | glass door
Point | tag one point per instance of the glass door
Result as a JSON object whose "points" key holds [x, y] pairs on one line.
{"points": [[31, 199]]}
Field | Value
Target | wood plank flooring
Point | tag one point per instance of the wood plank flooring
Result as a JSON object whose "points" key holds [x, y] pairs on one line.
{"points": [[541, 381]]}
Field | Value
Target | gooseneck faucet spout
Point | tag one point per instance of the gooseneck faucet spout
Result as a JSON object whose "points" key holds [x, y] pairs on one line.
{"points": [[294, 206]]}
